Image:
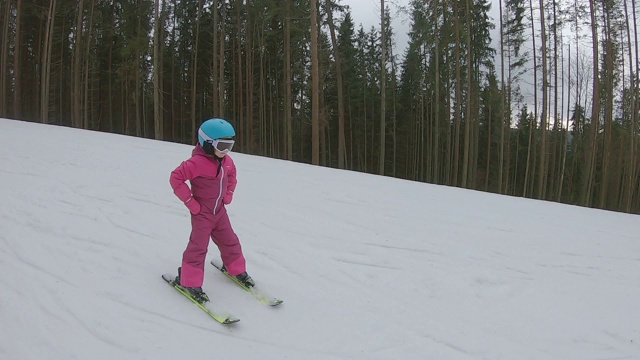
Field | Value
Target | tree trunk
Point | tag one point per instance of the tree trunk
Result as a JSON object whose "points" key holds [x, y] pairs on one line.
{"points": [[17, 64], [263, 93], [567, 131], [395, 117], [76, 88], [221, 67], [315, 87], [608, 107], [157, 76], [336, 53], [458, 96], [194, 76], [552, 179], [437, 121], [215, 86], [631, 163], [501, 114], [137, 82], [383, 77], [468, 117], [4, 56], [288, 96], [109, 74], [542, 160], [87, 67], [45, 65], [527, 176], [588, 176], [250, 87]]}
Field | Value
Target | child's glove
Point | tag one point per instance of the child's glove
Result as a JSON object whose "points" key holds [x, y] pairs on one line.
{"points": [[193, 205], [228, 197]]}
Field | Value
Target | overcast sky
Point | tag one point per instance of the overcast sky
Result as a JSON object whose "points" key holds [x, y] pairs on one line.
{"points": [[367, 13]]}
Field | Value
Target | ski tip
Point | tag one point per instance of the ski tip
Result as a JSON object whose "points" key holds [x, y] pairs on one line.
{"points": [[230, 320], [168, 277]]}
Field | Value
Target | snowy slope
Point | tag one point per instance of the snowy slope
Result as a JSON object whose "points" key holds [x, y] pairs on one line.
{"points": [[369, 267]]}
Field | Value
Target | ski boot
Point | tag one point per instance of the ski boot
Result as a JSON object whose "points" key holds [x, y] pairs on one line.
{"points": [[195, 292], [244, 278]]}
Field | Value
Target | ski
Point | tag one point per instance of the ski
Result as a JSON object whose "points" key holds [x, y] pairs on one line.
{"points": [[206, 307], [258, 294]]}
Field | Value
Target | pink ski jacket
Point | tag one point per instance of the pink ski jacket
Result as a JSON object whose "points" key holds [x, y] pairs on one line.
{"points": [[212, 181]]}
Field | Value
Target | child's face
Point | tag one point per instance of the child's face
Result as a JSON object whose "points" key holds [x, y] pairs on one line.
{"points": [[220, 154]]}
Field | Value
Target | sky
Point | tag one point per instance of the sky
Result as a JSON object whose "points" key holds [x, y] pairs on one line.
{"points": [[367, 13], [369, 267]]}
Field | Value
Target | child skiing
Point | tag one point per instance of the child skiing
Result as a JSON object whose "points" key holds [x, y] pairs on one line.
{"points": [[212, 175]]}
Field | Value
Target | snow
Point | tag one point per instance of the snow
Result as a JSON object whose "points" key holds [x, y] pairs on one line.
{"points": [[369, 267]]}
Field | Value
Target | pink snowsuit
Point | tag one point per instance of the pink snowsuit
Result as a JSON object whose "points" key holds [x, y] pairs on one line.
{"points": [[212, 184]]}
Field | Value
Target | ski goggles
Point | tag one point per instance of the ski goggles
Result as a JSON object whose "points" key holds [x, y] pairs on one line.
{"points": [[223, 145]]}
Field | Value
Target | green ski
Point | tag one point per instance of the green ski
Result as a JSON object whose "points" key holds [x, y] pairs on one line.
{"points": [[216, 315], [258, 294]]}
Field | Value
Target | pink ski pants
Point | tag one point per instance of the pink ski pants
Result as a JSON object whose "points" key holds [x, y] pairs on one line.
{"points": [[205, 226]]}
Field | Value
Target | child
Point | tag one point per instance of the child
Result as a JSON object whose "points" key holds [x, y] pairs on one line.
{"points": [[212, 175]]}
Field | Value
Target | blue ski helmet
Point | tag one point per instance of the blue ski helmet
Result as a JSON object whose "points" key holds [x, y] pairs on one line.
{"points": [[214, 129]]}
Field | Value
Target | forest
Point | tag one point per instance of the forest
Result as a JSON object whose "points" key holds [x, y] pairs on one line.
{"points": [[550, 113]]}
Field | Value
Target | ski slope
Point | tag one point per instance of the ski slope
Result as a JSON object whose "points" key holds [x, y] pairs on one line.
{"points": [[369, 267]]}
